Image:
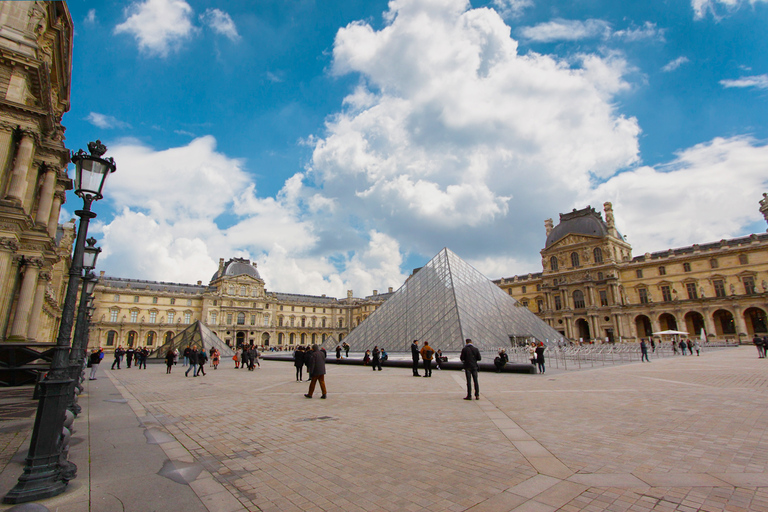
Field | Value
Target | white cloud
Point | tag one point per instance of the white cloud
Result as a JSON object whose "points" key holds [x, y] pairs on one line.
{"points": [[221, 23], [106, 122], [566, 30], [647, 31], [709, 192], [90, 18], [511, 8], [716, 7], [758, 81], [158, 25], [674, 64]]}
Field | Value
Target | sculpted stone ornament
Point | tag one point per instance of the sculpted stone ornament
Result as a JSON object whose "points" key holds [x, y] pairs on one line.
{"points": [[764, 206]]}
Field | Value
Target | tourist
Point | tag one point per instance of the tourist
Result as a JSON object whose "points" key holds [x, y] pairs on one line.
{"points": [[93, 360], [338, 352], [255, 356], [367, 358], [690, 346], [298, 362], [426, 355], [237, 356], [142, 354], [439, 359], [696, 347], [169, 356], [643, 351], [501, 360], [415, 356], [191, 356], [376, 360], [540, 356], [470, 355], [683, 346], [186, 356], [316, 371], [129, 357], [653, 345], [202, 358], [346, 349], [384, 355], [215, 356], [118, 356], [532, 352], [758, 341], [674, 347]]}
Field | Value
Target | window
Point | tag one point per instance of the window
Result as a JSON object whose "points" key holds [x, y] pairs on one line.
{"points": [[113, 315], [241, 319], [690, 288], [523, 288], [713, 263], [341, 323], [280, 321], [558, 303], [229, 318], [303, 321], [151, 338], [538, 287], [509, 291], [215, 302], [525, 303], [598, 254], [662, 271], [686, 267], [600, 276], [574, 259], [749, 285], [266, 320], [171, 314], [666, 294], [154, 300], [187, 318], [643, 293], [242, 291], [152, 317], [719, 285], [173, 301], [323, 322], [111, 335], [603, 297], [553, 263], [116, 298], [743, 260], [253, 319], [189, 302], [540, 305], [578, 299], [134, 316], [639, 273], [135, 298], [214, 316]]}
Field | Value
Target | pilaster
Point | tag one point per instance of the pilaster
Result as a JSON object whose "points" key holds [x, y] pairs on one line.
{"points": [[20, 325], [18, 186]]}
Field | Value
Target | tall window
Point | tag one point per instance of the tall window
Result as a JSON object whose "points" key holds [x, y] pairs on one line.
{"points": [[690, 288], [524, 288], [666, 293], [214, 317], [603, 297], [171, 314], [173, 301], [574, 259], [111, 335], [662, 271], [242, 291], [113, 315], [540, 305], [323, 322], [643, 293], [719, 285], [151, 338], [743, 259], [639, 273], [598, 255], [578, 299], [134, 316], [749, 285], [154, 300], [241, 319], [303, 321], [116, 298], [713, 263], [253, 319], [553, 263], [686, 267], [152, 317], [135, 298], [187, 318], [229, 318], [558, 303]]}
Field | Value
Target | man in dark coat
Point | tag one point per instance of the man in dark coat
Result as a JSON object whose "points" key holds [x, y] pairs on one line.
{"points": [[376, 359], [470, 355], [192, 362], [415, 356], [316, 371]]}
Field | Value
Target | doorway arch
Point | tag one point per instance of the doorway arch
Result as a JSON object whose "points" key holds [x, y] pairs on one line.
{"points": [[667, 322], [724, 323], [694, 323], [582, 329], [240, 339], [755, 320], [643, 326]]}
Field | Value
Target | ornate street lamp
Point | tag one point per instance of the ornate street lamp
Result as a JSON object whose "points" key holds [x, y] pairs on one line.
{"points": [[46, 471]]}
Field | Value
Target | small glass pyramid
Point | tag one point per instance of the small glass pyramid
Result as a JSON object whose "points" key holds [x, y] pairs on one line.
{"points": [[196, 334], [445, 302]]}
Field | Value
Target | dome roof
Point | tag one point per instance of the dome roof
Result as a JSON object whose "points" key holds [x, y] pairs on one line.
{"points": [[582, 222], [237, 267]]}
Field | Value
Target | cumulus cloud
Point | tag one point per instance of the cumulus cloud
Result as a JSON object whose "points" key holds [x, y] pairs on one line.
{"points": [[511, 8], [158, 25], [674, 64], [717, 7], [757, 81], [104, 121], [221, 23], [709, 192]]}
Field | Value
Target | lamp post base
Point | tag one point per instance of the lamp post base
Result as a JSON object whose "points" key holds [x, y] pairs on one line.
{"points": [[38, 486]]}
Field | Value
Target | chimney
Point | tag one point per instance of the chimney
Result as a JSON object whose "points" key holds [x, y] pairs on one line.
{"points": [[548, 226], [349, 294], [199, 283], [609, 220], [375, 292], [221, 266], [390, 289], [101, 273]]}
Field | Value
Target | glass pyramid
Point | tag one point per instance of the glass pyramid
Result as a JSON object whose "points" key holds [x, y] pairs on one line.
{"points": [[196, 334], [445, 302]]}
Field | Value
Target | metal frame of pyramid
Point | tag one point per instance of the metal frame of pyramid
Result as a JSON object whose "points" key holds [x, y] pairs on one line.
{"points": [[445, 302], [196, 334]]}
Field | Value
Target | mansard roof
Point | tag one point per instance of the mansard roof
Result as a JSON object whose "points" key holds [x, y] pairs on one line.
{"points": [[155, 286], [237, 267], [586, 221]]}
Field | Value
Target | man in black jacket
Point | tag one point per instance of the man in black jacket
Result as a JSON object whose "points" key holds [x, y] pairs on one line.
{"points": [[316, 370], [470, 355], [192, 362], [415, 356]]}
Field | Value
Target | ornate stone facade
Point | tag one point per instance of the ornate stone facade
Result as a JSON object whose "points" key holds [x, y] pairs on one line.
{"points": [[235, 304], [591, 288], [35, 75]]}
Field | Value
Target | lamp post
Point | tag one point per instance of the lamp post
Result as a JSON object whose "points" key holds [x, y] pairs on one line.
{"points": [[46, 470]]}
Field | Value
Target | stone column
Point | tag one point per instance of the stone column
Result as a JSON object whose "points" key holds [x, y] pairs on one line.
{"points": [[37, 306], [18, 186], [53, 216], [8, 246], [741, 324], [709, 322], [20, 323], [6, 145], [46, 198]]}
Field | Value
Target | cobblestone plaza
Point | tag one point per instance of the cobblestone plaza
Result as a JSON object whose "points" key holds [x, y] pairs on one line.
{"points": [[681, 433]]}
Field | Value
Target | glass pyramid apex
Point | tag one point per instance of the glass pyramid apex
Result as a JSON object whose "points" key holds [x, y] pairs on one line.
{"points": [[196, 334]]}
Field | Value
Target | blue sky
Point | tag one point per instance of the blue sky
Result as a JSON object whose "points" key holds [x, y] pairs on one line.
{"points": [[339, 144]]}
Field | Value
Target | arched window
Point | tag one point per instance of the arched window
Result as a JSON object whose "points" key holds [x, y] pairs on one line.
{"points": [[151, 338], [111, 337], [280, 321], [574, 259], [241, 319], [578, 299], [553, 263], [598, 254]]}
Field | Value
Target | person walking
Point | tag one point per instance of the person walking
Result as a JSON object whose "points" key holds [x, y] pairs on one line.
{"points": [[643, 351], [758, 341], [470, 355], [696, 347], [376, 358], [415, 356], [192, 358], [316, 371], [298, 362], [118, 356], [683, 346], [215, 358], [256, 356], [426, 355], [540, 356], [143, 355], [202, 358], [367, 358], [129, 355], [94, 359], [345, 345], [186, 356], [169, 356], [236, 358], [653, 345]]}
